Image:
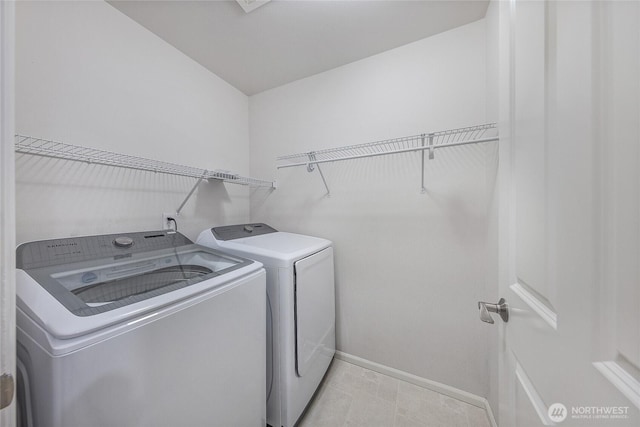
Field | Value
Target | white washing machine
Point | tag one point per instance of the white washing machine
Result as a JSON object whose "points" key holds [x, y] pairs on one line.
{"points": [[141, 329], [301, 312]]}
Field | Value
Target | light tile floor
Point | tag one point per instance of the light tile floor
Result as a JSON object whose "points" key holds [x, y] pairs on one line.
{"points": [[351, 396]]}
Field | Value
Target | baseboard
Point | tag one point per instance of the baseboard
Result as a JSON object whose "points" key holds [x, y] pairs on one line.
{"points": [[462, 395], [492, 419]]}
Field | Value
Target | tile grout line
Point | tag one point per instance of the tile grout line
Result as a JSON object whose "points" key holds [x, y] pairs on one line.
{"points": [[362, 384], [437, 387]]}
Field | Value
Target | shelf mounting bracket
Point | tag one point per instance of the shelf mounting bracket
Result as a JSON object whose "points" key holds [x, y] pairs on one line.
{"points": [[423, 190], [431, 155], [311, 166], [186, 199], [432, 150]]}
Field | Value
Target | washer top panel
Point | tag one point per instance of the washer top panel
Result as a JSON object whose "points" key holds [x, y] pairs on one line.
{"points": [[94, 275], [47, 253]]}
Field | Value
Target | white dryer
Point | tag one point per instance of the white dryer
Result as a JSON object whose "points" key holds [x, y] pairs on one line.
{"points": [[300, 315], [140, 330]]}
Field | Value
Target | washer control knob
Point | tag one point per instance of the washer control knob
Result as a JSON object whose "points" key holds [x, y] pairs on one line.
{"points": [[248, 228], [123, 242]]}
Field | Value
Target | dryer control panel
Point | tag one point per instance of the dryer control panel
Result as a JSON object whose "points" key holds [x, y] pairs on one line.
{"points": [[231, 232]]}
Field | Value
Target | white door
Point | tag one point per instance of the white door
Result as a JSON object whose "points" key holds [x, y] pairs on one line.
{"points": [[570, 213], [7, 218]]}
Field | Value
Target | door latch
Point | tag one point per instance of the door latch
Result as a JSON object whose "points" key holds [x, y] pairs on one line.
{"points": [[486, 308]]}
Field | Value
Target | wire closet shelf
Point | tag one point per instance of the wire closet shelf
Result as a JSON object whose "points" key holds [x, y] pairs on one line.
{"points": [[58, 150], [423, 142], [426, 142]]}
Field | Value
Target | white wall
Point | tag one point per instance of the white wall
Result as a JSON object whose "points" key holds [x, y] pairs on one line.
{"points": [[410, 267], [88, 75]]}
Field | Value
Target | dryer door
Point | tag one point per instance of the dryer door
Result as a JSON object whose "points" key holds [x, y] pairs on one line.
{"points": [[314, 309]]}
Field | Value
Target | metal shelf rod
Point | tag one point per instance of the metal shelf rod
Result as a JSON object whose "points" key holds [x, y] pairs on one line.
{"points": [[384, 153]]}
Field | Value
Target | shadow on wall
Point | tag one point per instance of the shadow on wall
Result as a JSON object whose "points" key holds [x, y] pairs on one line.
{"points": [[382, 186], [212, 197], [62, 198]]}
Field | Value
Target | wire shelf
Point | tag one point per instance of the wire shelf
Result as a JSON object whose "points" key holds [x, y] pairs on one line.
{"points": [[58, 150], [426, 142], [423, 142]]}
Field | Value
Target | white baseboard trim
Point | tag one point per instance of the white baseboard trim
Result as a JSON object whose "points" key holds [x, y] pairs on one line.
{"points": [[462, 395], [492, 419]]}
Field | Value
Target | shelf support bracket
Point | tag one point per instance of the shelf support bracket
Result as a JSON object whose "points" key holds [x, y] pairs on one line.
{"points": [[431, 155], [423, 190], [431, 148], [311, 167], [186, 199]]}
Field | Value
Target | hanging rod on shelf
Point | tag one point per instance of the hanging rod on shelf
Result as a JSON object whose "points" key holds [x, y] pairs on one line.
{"points": [[426, 142], [58, 150]]}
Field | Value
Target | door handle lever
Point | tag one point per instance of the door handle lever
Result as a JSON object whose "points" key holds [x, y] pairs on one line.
{"points": [[484, 313], [7, 389], [486, 308]]}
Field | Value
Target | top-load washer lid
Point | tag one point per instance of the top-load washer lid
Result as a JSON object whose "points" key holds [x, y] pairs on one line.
{"points": [[262, 243], [96, 274]]}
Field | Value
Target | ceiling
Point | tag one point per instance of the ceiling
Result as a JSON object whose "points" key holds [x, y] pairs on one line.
{"points": [[283, 41]]}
